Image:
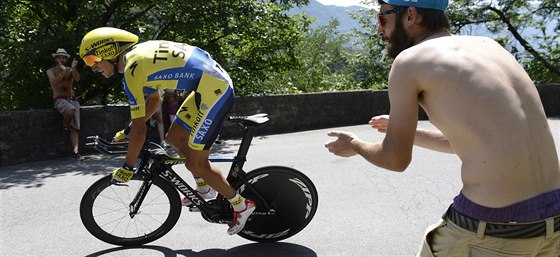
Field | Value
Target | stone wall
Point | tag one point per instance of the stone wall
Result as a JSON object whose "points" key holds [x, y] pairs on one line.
{"points": [[36, 135]]}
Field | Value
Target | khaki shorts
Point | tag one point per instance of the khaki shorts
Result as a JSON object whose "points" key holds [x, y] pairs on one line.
{"points": [[63, 105], [445, 238]]}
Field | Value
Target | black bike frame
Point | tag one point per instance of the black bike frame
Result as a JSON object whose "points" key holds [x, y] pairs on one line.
{"points": [[219, 210]]}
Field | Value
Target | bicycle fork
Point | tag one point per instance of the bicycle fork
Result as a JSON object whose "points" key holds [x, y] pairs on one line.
{"points": [[134, 206]]}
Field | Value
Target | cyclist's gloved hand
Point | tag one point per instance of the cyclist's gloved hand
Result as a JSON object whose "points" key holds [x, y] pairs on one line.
{"points": [[122, 135], [123, 174], [119, 136]]}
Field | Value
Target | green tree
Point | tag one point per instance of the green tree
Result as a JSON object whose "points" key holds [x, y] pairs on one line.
{"points": [[249, 37], [538, 49], [371, 65], [322, 64]]}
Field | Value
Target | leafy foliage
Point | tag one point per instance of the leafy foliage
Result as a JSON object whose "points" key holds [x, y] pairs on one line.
{"points": [[372, 66], [251, 38], [264, 50], [323, 64], [328, 61], [528, 29]]}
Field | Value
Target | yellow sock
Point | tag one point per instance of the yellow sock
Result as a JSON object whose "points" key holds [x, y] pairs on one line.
{"points": [[237, 202], [201, 185]]}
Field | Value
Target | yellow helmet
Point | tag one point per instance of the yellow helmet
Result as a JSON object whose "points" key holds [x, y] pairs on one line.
{"points": [[105, 43]]}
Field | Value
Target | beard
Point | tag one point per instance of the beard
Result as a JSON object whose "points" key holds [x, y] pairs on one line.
{"points": [[399, 40]]}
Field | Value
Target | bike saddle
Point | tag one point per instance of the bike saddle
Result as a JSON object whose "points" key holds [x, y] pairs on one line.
{"points": [[256, 119]]}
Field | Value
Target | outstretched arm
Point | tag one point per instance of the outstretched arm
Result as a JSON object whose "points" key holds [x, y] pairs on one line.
{"points": [[395, 151], [429, 139], [379, 154]]}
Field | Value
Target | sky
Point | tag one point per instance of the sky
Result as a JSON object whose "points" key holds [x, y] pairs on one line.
{"points": [[341, 2]]}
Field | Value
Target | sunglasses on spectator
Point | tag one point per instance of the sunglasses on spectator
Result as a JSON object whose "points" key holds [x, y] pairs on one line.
{"points": [[381, 20]]}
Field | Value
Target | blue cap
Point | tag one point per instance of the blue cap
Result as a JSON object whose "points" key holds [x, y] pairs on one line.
{"points": [[430, 4]]}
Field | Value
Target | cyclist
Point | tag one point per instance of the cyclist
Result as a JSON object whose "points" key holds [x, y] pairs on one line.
{"points": [[154, 65]]}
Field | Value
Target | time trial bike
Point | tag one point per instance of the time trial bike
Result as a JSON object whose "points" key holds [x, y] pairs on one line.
{"points": [[147, 207]]}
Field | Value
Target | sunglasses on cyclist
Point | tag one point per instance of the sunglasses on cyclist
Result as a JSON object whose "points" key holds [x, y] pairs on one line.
{"points": [[380, 15], [91, 60]]}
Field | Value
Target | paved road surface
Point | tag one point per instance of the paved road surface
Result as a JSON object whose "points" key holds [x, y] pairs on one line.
{"points": [[363, 210]]}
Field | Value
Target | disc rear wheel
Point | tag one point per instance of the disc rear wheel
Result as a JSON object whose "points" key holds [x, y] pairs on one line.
{"points": [[290, 194]]}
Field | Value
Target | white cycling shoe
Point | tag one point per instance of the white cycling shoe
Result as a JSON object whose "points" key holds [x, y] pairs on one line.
{"points": [[240, 218]]}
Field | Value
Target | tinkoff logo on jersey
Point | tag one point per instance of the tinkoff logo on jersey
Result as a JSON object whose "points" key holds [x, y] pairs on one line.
{"points": [[176, 74], [200, 128]]}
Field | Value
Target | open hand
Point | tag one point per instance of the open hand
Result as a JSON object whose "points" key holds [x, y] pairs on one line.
{"points": [[380, 123], [342, 146]]}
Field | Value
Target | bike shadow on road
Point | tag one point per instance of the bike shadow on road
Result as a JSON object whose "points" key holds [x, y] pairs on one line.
{"points": [[248, 250]]}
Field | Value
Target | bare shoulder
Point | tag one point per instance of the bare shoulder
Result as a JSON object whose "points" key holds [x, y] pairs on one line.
{"points": [[414, 61], [435, 50], [450, 54], [51, 72]]}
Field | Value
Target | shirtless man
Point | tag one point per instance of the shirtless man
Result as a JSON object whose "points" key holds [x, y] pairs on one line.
{"points": [[61, 78], [489, 113]]}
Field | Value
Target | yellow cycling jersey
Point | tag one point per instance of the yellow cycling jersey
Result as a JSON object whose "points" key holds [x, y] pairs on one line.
{"points": [[155, 65]]}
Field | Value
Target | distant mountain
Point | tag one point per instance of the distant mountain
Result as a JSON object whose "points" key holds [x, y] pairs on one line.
{"points": [[325, 13]]}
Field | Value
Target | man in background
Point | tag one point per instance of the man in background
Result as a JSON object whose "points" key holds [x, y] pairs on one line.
{"points": [[61, 78]]}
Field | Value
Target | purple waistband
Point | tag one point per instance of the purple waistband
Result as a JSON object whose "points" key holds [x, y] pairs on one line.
{"points": [[537, 208]]}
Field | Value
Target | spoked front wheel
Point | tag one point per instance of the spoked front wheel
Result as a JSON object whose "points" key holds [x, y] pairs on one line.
{"points": [[106, 213], [292, 199]]}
